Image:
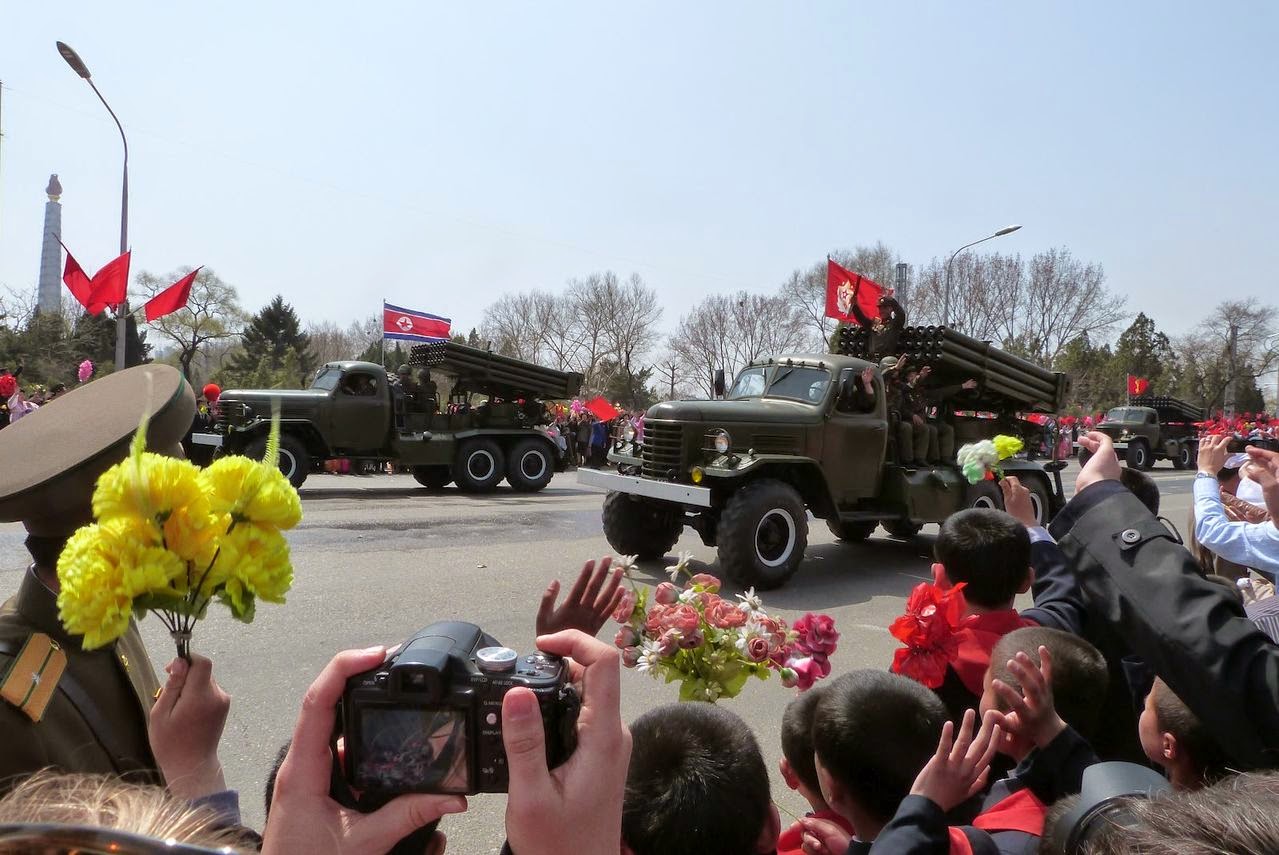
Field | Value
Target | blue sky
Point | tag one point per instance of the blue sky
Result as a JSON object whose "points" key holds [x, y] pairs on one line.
{"points": [[438, 154]]}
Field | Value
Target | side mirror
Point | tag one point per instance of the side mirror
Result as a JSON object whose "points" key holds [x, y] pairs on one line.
{"points": [[719, 382], [848, 388]]}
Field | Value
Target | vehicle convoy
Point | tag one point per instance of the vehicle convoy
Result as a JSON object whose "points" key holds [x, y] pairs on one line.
{"points": [[1153, 428], [791, 437], [355, 410]]}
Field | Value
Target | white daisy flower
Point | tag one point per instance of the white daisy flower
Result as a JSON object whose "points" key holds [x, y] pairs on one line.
{"points": [[650, 656], [626, 563], [750, 601]]}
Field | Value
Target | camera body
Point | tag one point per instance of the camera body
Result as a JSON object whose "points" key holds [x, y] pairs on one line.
{"points": [[429, 718]]}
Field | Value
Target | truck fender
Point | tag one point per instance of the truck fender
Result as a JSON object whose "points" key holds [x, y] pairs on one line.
{"points": [[804, 474], [236, 441]]}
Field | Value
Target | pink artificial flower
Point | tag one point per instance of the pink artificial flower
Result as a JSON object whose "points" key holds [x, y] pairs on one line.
{"points": [[653, 623], [626, 637], [757, 648], [683, 618], [708, 583], [807, 672], [626, 607], [724, 615], [817, 633], [666, 594], [669, 642], [692, 639], [630, 656]]}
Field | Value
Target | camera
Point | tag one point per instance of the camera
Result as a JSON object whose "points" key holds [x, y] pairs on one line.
{"points": [[429, 718]]}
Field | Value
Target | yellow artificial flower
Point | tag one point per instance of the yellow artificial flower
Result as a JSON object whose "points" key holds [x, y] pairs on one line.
{"points": [[193, 535], [149, 486], [252, 492], [1007, 446], [254, 559]]}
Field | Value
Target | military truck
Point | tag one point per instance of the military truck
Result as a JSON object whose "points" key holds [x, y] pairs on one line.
{"points": [[790, 438], [1150, 428], [491, 424]]}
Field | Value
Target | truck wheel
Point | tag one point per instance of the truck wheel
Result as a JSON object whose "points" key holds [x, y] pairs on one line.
{"points": [[479, 467], [762, 534], [1040, 500], [1139, 456], [852, 532], [1185, 459], [984, 494], [903, 529], [530, 467], [295, 460], [1084, 456], [433, 477], [646, 530]]}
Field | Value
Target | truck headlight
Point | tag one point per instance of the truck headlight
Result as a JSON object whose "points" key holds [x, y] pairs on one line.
{"points": [[721, 441], [628, 433]]}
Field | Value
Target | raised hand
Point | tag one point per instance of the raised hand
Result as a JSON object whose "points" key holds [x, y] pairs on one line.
{"points": [[589, 603], [958, 770], [1213, 451], [185, 728], [1033, 715], [1017, 501], [1102, 466], [823, 837], [1265, 471]]}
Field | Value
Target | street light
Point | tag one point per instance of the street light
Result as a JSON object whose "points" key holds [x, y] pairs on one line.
{"points": [[122, 312], [945, 317], [1266, 344]]}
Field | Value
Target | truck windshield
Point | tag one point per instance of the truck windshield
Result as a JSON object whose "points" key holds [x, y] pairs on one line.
{"points": [[1124, 414], [796, 382], [327, 379]]}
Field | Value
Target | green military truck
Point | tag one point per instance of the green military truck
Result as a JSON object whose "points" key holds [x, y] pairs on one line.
{"points": [[790, 438], [490, 426], [1150, 428]]}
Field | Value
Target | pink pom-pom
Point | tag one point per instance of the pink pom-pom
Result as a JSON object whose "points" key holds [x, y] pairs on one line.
{"points": [[85, 371]]}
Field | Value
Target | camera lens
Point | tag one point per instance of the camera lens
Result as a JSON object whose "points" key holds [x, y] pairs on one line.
{"points": [[495, 659]]}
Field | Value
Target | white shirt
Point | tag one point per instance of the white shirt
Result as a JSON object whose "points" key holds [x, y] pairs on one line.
{"points": [[1253, 545]]}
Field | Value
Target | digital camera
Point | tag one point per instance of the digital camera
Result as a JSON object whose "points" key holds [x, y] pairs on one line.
{"points": [[429, 718]]}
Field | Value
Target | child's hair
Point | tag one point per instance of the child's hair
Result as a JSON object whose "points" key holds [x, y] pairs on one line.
{"points": [[873, 731], [1173, 716], [1142, 486], [987, 549], [1079, 672], [697, 783], [797, 737]]}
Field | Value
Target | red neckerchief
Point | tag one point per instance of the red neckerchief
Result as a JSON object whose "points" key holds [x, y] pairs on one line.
{"points": [[1021, 811], [977, 637], [959, 843], [792, 839]]}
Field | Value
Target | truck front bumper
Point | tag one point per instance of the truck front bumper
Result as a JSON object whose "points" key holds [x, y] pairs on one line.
{"points": [[213, 439], [682, 494]]}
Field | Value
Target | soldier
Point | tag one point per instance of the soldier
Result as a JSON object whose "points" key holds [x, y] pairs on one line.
{"points": [[63, 706], [885, 328]]}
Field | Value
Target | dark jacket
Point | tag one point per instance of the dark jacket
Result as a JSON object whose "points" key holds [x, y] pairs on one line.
{"points": [[883, 342]]}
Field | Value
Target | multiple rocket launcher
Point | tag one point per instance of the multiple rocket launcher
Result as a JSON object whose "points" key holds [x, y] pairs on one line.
{"points": [[491, 373]]}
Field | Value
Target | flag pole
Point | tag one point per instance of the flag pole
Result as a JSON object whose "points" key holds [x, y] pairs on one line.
{"points": [[383, 333]]}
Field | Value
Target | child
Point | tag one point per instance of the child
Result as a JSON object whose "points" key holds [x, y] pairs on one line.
{"points": [[697, 783], [1178, 742], [799, 770]]}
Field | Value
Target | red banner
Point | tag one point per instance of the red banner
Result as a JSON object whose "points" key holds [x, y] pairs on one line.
{"points": [[602, 409], [410, 325], [846, 291], [1138, 385], [171, 299]]}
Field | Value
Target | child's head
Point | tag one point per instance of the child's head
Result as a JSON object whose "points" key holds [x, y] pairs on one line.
{"points": [[1079, 679], [697, 783], [990, 551], [1142, 486], [1174, 738], [872, 733], [799, 770]]}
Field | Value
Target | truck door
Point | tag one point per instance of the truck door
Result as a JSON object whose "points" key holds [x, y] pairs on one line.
{"points": [[361, 412], [855, 443]]}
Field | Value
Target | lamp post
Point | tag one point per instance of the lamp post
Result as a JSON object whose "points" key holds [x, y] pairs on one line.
{"points": [[1266, 344], [945, 315], [122, 311]]}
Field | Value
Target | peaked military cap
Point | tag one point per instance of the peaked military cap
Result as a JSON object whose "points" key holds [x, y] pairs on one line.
{"points": [[51, 458]]}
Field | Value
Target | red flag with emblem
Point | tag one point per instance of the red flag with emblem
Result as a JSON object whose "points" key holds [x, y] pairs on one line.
{"points": [[411, 325], [844, 289], [1138, 385]]}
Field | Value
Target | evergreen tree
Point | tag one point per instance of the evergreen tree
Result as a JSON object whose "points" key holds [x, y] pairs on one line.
{"points": [[273, 337], [1143, 351]]}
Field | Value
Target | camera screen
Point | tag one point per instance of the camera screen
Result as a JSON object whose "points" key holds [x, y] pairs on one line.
{"points": [[413, 749]]}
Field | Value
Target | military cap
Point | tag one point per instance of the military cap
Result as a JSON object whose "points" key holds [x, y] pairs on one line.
{"points": [[54, 455], [888, 362]]}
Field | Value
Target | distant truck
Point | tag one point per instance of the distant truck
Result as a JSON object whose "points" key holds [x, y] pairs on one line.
{"points": [[355, 410], [791, 437], [1151, 428]]}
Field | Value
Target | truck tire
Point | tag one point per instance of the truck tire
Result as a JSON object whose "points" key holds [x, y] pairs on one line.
{"points": [[902, 529], [295, 460], [1139, 456], [852, 532], [433, 477], [762, 534], [644, 529], [984, 494], [1040, 499], [1084, 456], [530, 466], [480, 466], [1185, 458]]}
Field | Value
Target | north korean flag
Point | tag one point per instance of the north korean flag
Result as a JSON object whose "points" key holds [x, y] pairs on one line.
{"points": [[411, 325]]}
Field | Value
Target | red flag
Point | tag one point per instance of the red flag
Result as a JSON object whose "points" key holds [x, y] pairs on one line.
{"points": [[77, 281], [171, 299], [844, 287], [110, 284], [412, 325], [601, 408], [1138, 385]]}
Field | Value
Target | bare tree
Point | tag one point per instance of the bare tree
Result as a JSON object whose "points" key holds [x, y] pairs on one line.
{"points": [[631, 331], [805, 290], [557, 325], [511, 325], [212, 314], [331, 343]]}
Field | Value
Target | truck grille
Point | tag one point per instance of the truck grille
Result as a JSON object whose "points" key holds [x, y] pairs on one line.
{"points": [[663, 455]]}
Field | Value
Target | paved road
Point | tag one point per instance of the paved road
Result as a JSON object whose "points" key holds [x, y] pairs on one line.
{"points": [[377, 558]]}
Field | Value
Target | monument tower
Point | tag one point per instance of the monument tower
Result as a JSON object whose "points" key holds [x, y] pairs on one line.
{"points": [[49, 297]]}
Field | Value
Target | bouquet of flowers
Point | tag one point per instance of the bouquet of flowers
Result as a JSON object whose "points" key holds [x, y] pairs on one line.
{"points": [[171, 538], [928, 633], [712, 645], [980, 460]]}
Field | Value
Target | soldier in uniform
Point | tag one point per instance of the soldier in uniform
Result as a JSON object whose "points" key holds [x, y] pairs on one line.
{"points": [[62, 706]]}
